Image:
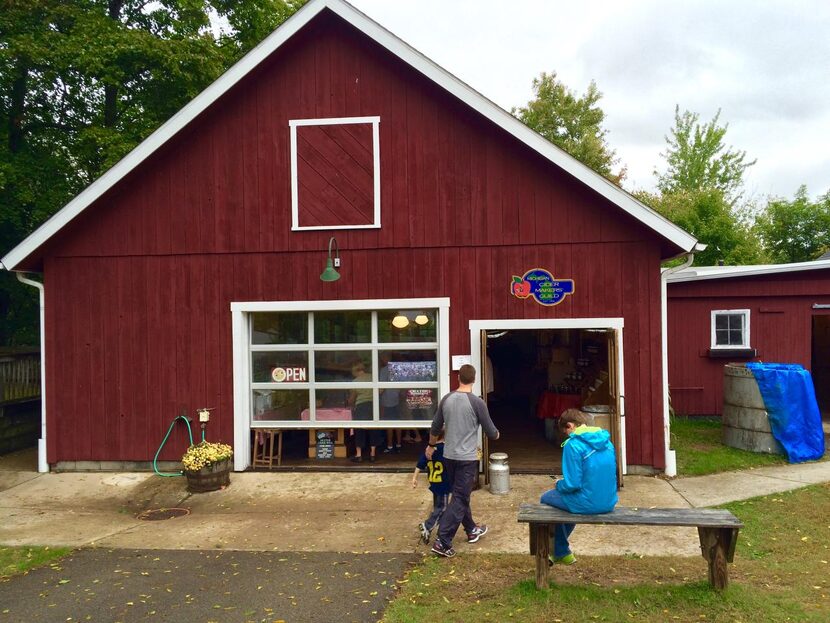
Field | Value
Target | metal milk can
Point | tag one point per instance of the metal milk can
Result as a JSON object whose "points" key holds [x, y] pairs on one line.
{"points": [[499, 473]]}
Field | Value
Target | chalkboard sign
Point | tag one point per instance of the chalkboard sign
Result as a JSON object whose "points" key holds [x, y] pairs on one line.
{"points": [[325, 445]]}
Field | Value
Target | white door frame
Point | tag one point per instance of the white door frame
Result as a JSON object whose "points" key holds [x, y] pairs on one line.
{"points": [[615, 324]]}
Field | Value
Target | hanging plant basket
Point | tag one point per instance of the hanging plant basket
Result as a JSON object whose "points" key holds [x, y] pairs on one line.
{"points": [[210, 478]]}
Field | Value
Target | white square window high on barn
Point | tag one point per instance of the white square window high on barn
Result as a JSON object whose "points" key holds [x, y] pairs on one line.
{"points": [[335, 173], [730, 328]]}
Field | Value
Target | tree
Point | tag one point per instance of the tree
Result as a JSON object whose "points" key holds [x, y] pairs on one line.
{"points": [[572, 123], [82, 82], [698, 160], [797, 230], [708, 216]]}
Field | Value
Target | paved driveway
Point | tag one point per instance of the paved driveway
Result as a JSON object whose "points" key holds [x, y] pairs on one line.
{"points": [[110, 586]]}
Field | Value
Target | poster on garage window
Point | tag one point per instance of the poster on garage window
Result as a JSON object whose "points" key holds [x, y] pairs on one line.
{"points": [[419, 398], [325, 445]]}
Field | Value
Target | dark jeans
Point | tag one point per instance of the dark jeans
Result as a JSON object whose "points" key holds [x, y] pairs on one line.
{"points": [[439, 505], [562, 531], [374, 436], [462, 474]]}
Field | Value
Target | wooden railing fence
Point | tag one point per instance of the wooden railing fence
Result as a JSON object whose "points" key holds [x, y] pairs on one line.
{"points": [[19, 376]]}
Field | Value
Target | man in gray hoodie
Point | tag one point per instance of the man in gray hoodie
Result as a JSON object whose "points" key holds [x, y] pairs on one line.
{"points": [[459, 415]]}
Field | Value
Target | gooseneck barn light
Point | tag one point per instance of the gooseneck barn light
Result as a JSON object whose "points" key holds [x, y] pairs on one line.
{"points": [[329, 274]]}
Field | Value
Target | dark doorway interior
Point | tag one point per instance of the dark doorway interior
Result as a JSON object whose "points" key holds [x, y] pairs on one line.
{"points": [[537, 374], [820, 362]]}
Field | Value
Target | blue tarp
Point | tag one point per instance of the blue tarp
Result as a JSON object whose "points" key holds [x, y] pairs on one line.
{"points": [[790, 400]]}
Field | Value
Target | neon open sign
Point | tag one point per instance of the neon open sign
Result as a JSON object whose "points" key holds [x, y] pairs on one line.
{"points": [[289, 375], [542, 286]]}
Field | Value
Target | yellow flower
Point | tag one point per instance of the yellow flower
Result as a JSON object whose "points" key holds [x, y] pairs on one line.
{"points": [[204, 454]]}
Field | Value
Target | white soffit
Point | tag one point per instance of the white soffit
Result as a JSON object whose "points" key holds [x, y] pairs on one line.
{"points": [[702, 273], [396, 46]]}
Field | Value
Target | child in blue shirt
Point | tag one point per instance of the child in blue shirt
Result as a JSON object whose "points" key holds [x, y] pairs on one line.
{"points": [[438, 484], [589, 484]]}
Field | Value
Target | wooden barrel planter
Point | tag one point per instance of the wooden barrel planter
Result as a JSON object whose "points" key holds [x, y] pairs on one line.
{"points": [[745, 420], [210, 478]]}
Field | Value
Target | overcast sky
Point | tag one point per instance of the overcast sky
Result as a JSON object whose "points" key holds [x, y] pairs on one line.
{"points": [[765, 64]]}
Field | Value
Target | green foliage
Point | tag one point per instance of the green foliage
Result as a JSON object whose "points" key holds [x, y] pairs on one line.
{"points": [[700, 188], [797, 230], [708, 216], [571, 122], [82, 82], [698, 160]]}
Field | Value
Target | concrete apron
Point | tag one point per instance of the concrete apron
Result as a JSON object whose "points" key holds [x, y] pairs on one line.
{"points": [[357, 512]]}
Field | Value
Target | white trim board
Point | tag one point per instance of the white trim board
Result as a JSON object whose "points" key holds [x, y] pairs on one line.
{"points": [[403, 51], [745, 333], [702, 273], [293, 124]]}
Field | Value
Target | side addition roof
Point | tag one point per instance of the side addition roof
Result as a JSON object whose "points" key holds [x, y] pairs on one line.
{"points": [[662, 226], [702, 273]]}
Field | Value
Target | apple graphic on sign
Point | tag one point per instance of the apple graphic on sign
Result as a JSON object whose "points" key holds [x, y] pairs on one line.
{"points": [[520, 287]]}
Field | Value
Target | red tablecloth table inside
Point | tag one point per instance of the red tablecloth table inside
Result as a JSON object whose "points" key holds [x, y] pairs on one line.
{"points": [[552, 405], [328, 415]]}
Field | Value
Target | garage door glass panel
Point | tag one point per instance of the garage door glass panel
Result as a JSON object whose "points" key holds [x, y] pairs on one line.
{"points": [[279, 328], [279, 404], [343, 327], [339, 366], [279, 367]]}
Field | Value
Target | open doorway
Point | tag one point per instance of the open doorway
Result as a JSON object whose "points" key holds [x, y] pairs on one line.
{"points": [[532, 374], [820, 363]]}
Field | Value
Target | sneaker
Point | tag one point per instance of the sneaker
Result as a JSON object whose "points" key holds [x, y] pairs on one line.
{"points": [[396, 449], [439, 549], [476, 533], [388, 450], [567, 559], [425, 534]]}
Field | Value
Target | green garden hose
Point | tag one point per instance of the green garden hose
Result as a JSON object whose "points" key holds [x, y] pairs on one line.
{"points": [[169, 430]]}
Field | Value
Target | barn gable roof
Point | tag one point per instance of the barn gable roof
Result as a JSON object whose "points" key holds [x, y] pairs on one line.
{"points": [[650, 218], [702, 273]]}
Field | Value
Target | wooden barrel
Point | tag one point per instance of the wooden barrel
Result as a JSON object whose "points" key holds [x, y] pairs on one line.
{"points": [[745, 419], [210, 478]]}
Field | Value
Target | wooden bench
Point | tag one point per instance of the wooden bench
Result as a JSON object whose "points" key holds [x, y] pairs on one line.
{"points": [[717, 529]]}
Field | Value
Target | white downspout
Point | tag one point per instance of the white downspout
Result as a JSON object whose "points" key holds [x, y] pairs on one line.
{"points": [[42, 464], [671, 457]]}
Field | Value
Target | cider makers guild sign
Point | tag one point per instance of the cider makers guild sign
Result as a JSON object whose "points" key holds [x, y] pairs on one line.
{"points": [[542, 286]]}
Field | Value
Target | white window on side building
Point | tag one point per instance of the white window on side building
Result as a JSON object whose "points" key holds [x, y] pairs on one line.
{"points": [[730, 328]]}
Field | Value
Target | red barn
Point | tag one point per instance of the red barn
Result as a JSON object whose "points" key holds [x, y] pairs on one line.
{"points": [[723, 314], [189, 275]]}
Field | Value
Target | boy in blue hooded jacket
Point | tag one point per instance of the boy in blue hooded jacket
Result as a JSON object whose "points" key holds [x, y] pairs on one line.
{"points": [[589, 483]]}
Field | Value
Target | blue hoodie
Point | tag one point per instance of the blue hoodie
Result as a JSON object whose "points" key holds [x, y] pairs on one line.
{"points": [[589, 467]]}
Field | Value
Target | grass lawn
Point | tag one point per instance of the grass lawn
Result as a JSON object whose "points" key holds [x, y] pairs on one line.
{"points": [[781, 573], [701, 451], [15, 560]]}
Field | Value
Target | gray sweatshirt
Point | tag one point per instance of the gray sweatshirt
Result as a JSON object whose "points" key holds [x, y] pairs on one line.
{"points": [[459, 415]]}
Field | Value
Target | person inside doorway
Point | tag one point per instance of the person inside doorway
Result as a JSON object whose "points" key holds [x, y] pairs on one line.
{"points": [[360, 401], [390, 399], [589, 483]]}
